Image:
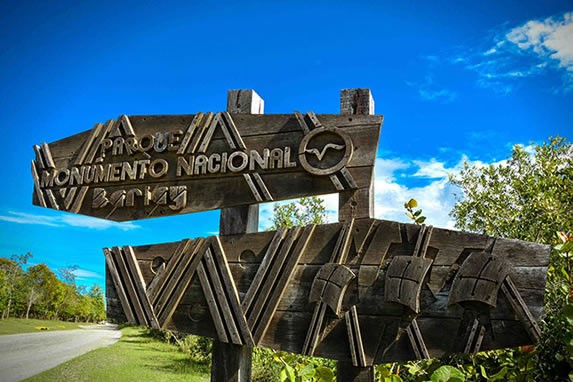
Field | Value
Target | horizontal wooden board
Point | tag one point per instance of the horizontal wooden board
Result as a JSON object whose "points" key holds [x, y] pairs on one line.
{"points": [[282, 269], [148, 166]]}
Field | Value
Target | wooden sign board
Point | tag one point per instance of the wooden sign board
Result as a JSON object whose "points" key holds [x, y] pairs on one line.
{"points": [[366, 291], [147, 166]]}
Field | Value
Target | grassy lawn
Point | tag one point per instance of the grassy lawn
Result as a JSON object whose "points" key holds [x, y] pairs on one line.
{"points": [[20, 325], [135, 357]]}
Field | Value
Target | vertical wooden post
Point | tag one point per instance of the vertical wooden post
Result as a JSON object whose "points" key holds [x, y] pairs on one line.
{"points": [[360, 203], [354, 205], [232, 363]]}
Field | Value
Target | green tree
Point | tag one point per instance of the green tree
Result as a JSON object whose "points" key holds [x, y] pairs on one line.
{"points": [[527, 197], [32, 287], [305, 211], [97, 304], [12, 273], [530, 197]]}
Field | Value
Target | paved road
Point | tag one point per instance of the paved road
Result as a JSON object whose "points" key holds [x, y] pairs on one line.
{"points": [[24, 355]]}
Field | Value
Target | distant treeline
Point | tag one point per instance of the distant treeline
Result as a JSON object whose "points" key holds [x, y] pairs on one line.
{"points": [[36, 291]]}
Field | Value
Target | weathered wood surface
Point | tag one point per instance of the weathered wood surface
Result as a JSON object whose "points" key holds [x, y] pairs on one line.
{"points": [[230, 362], [365, 291], [139, 167], [356, 204]]}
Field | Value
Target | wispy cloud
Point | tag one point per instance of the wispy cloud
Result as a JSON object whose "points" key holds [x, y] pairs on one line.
{"points": [[65, 220], [429, 90], [82, 274], [534, 48]]}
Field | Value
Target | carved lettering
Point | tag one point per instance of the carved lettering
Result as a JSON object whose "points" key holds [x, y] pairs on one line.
{"points": [[261, 161], [178, 194], [130, 196], [240, 164], [276, 158], [118, 144], [161, 142], [76, 176], [47, 179], [201, 164], [146, 143], [100, 175], [214, 163], [175, 197], [128, 171], [191, 165], [117, 199], [174, 140], [100, 198], [224, 163], [114, 172], [143, 168], [158, 168], [288, 163], [62, 177], [184, 165], [131, 145]]}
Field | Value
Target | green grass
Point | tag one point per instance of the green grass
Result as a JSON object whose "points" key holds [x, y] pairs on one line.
{"points": [[20, 325], [135, 357]]}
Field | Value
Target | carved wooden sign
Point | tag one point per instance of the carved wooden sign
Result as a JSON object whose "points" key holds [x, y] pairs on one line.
{"points": [[366, 291], [146, 166]]}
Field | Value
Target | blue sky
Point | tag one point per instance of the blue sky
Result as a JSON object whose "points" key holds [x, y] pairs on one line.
{"points": [[455, 81]]}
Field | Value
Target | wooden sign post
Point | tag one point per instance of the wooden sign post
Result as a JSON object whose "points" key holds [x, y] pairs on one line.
{"points": [[356, 204], [232, 362], [361, 291]]}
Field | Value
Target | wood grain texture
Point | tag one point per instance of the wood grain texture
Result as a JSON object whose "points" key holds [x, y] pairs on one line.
{"points": [[139, 167], [370, 325]]}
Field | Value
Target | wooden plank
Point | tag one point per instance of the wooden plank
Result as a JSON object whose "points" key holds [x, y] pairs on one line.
{"points": [[129, 287], [119, 289], [139, 284], [262, 271], [179, 280], [280, 286], [355, 338], [266, 289], [141, 167], [230, 290], [216, 312], [281, 296]]}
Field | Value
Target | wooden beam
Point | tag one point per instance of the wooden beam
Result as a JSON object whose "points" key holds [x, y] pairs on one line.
{"points": [[233, 362], [358, 203], [355, 204]]}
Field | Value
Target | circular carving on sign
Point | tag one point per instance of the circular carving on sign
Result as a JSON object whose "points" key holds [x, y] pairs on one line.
{"points": [[325, 151], [247, 256], [156, 263], [197, 312]]}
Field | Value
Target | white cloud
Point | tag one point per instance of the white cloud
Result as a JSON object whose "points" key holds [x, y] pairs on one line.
{"points": [[551, 38], [435, 197], [534, 48], [65, 220]]}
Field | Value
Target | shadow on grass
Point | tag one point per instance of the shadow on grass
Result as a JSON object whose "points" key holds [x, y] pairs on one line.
{"points": [[184, 366]]}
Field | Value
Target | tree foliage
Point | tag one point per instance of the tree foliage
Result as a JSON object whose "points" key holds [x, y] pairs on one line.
{"points": [[527, 197], [305, 211], [530, 197], [36, 291]]}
